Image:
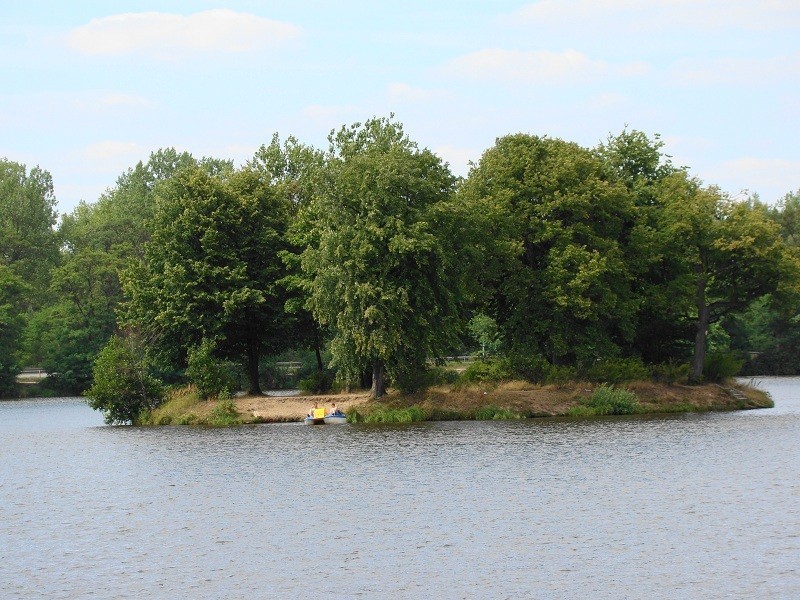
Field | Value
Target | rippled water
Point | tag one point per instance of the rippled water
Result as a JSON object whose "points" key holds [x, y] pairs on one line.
{"points": [[689, 506]]}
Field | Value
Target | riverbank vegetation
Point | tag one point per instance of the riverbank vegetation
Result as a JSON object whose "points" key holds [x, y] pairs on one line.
{"points": [[364, 266], [509, 400]]}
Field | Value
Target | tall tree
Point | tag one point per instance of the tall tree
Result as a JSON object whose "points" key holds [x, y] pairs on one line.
{"points": [[380, 271], [12, 289], [661, 334], [28, 242], [731, 254], [556, 229], [295, 170], [211, 268]]}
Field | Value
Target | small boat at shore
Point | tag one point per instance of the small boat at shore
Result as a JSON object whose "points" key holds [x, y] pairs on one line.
{"points": [[318, 417], [337, 418]]}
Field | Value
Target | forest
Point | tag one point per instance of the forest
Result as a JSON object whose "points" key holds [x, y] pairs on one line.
{"points": [[369, 262]]}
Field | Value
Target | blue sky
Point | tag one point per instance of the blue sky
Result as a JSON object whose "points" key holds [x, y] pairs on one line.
{"points": [[87, 89]]}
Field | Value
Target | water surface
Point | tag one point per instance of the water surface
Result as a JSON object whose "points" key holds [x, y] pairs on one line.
{"points": [[686, 506]]}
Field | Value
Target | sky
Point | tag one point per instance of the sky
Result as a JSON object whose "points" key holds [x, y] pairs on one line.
{"points": [[90, 88]]}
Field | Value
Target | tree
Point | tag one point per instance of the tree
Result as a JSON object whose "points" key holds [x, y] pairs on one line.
{"points": [[211, 268], [731, 254], [556, 227], [123, 386], [295, 170], [98, 240], [638, 162], [28, 243], [379, 271], [12, 289]]}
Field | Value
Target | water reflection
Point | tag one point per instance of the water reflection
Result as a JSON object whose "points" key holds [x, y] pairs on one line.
{"points": [[681, 506]]}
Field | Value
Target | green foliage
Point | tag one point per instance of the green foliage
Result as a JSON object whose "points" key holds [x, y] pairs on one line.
{"points": [[379, 271], [670, 372], [383, 414], [485, 332], [530, 367], [607, 400], [210, 375], [224, 414], [12, 290], [484, 371], [557, 374], [721, 365], [495, 413], [555, 228], [123, 387], [617, 370], [28, 241], [319, 382], [212, 267]]}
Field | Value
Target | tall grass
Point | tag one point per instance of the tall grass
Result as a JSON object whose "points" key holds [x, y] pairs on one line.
{"points": [[606, 400], [388, 415], [495, 413]]}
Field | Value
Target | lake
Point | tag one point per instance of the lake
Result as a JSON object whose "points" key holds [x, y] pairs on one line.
{"points": [[680, 506]]}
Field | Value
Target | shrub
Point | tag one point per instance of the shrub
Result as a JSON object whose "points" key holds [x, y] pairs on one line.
{"points": [[618, 370], [721, 365], [210, 375], [531, 367], [123, 387], [670, 372], [557, 374], [608, 400], [318, 382], [487, 371], [224, 413]]}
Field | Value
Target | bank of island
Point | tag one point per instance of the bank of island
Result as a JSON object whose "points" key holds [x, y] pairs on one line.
{"points": [[512, 400]]}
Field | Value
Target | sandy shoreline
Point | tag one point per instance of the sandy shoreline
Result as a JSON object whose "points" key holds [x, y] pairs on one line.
{"points": [[293, 408], [519, 398]]}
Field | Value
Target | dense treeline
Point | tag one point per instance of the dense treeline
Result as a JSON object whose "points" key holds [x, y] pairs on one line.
{"points": [[373, 255]]}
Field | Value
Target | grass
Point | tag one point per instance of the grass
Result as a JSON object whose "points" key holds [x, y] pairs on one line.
{"points": [[183, 406], [495, 413]]}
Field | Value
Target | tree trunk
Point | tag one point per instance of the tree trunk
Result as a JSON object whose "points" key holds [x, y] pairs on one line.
{"points": [[252, 365], [701, 333], [317, 351], [378, 379]]}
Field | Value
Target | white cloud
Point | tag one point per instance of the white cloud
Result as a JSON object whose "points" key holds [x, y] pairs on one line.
{"points": [[403, 92], [651, 15], [111, 151], [538, 67], [736, 70], [165, 35], [771, 178], [103, 101]]}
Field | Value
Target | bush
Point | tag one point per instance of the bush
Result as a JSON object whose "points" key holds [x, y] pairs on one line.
{"points": [[533, 367], [487, 371], [318, 382], [618, 370], [224, 413], [721, 365], [209, 375], [123, 387], [557, 374], [607, 400], [670, 372]]}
